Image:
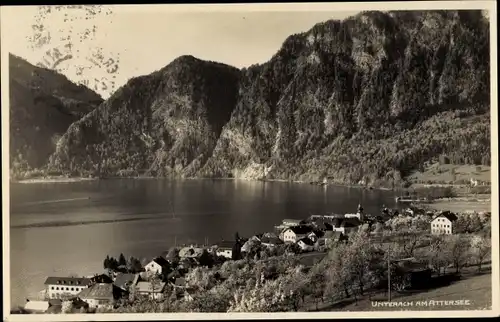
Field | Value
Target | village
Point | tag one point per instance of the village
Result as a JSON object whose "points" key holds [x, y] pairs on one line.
{"points": [[309, 240]]}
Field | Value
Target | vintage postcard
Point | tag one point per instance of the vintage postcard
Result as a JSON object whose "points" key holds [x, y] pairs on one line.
{"points": [[237, 161]]}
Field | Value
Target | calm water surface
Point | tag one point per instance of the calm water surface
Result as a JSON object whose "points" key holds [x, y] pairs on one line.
{"points": [[69, 228]]}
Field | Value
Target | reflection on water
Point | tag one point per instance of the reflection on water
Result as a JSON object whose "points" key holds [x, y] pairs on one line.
{"points": [[92, 219]]}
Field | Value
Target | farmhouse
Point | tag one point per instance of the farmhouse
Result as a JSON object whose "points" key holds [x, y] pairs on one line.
{"points": [[65, 287], [152, 290], [225, 249], [443, 223], [293, 234], [156, 266], [100, 295]]}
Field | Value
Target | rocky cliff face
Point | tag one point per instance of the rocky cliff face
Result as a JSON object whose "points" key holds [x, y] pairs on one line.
{"points": [[367, 99], [43, 104], [161, 124]]}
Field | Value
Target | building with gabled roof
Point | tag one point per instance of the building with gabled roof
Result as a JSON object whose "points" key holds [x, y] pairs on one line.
{"points": [[126, 281], [443, 223], [100, 295], [152, 290], [65, 287], [225, 248], [293, 234], [156, 266]]}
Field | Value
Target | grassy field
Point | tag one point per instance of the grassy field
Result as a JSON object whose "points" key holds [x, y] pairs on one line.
{"points": [[476, 289], [451, 174], [460, 206]]}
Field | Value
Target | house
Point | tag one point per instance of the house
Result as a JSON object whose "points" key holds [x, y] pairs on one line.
{"points": [[225, 249], [190, 252], [306, 244], [271, 241], [101, 278], [293, 234], [152, 290], [346, 225], [36, 306], [156, 266], [443, 223], [126, 281], [359, 215], [65, 287], [100, 295]]}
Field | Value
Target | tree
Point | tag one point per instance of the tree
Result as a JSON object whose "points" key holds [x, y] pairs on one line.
{"points": [[67, 307], [236, 253], [134, 265], [206, 259], [481, 248], [435, 255], [458, 248], [121, 260]]}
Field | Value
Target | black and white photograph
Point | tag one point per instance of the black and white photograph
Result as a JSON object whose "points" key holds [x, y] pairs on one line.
{"points": [[226, 161]]}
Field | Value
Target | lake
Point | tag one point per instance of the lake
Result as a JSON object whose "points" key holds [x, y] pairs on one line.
{"points": [[69, 228]]}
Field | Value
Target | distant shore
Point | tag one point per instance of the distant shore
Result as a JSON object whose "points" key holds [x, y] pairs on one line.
{"points": [[53, 180]]}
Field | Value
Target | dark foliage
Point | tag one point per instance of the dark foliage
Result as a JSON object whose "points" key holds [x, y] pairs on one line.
{"points": [[43, 104]]}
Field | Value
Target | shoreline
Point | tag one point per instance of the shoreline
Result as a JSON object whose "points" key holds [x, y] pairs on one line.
{"points": [[61, 179], [53, 180]]}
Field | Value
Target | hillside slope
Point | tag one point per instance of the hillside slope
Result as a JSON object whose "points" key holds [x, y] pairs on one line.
{"points": [[364, 100], [160, 124], [43, 104]]}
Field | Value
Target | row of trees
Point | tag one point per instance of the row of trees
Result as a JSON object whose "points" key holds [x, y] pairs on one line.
{"points": [[132, 265]]}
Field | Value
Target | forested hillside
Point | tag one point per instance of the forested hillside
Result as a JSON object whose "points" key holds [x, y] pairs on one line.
{"points": [[43, 104], [368, 99]]}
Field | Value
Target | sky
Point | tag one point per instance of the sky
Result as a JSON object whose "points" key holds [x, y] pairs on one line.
{"points": [[103, 47], [112, 44]]}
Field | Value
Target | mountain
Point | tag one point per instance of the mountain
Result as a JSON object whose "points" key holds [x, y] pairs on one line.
{"points": [[43, 104], [162, 123], [368, 99]]}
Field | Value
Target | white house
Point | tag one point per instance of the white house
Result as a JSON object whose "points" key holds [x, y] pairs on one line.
{"points": [[225, 249], [443, 223], [306, 244], [65, 287], [156, 266], [359, 215], [153, 291], [293, 234]]}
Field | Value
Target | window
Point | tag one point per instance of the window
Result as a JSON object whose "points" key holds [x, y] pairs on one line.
{"points": [[72, 288], [57, 288], [52, 287]]}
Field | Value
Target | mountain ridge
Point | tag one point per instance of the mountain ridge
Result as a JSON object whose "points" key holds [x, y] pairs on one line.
{"points": [[326, 105], [43, 103]]}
